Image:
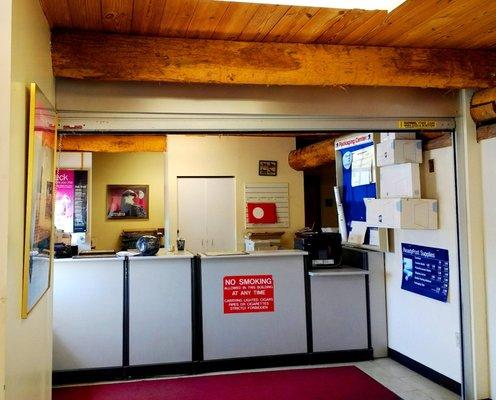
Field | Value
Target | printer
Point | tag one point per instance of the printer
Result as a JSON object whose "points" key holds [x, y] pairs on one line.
{"points": [[324, 248]]}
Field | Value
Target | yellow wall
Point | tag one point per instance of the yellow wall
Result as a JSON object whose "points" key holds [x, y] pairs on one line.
{"points": [[130, 169], [28, 343], [5, 80], [236, 156]]}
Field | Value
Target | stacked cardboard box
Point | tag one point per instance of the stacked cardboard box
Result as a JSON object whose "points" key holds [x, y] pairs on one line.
{"points": [[400, 204]]}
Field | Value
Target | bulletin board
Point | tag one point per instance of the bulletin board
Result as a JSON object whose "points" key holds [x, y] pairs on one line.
{"points": [[356, 167]]}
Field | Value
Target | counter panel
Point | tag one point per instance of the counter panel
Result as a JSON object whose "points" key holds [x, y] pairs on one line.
{"points": [[339, 311], [231, 335], [87, 314], [160, 324]]}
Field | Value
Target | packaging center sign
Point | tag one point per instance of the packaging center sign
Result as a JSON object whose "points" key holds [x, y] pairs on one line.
{"points": [[248, 294]]}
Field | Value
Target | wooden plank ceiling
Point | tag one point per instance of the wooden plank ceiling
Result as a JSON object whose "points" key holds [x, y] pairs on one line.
{"points": [[461, 24]]}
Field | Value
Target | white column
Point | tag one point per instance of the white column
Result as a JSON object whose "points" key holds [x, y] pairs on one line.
{"points": [[471, 237]]}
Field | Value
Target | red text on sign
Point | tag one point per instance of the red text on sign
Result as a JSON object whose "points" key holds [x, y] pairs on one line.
{"points": [[248, 294]]}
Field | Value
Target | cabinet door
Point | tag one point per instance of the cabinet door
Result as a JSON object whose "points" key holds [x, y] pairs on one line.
{"points": [[191, 204], [221, 216]]}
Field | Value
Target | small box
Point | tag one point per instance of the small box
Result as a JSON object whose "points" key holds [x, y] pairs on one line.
{"points": [[399, 152], [397, 135], [400, 180], [402, 213]]}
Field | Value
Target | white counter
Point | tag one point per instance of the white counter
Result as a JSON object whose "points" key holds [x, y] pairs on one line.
{"points": [[88, 310], [260, 253], [162, 254]]}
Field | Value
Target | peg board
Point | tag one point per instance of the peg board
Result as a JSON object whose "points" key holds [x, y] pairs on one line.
{"points": [[269, 193]]}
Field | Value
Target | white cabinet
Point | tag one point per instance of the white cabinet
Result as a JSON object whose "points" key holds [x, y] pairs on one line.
{"points": [[206, 213]]}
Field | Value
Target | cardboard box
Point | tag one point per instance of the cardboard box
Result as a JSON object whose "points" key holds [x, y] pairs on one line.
{"points": [[400, 180], [399, 152], [397, 135], [402, 213]]}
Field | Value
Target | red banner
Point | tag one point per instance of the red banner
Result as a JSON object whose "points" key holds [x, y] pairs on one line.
{"points": [[248, 294], [262, 213]]}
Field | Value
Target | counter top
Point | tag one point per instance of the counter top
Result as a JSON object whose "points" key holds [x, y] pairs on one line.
{"points": [[260, 253], [161, 255], [164, 254], [340, 271]]}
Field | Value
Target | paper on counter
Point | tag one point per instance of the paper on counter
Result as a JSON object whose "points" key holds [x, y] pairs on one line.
{"points": [[358, 231], [362, 165]]}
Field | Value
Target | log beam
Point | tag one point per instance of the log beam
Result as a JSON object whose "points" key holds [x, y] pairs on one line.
{"points": [[114, 57], [103, 143], [483, 106], [443, 140], [312, 156], [486, 132]]}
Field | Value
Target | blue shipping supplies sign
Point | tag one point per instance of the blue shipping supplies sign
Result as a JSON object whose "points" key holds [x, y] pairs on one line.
{"points": [[425, 271]]}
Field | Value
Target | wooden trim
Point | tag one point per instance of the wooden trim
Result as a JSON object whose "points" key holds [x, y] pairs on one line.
{"points": [[486, 132], [103, 143], [114, 57]]}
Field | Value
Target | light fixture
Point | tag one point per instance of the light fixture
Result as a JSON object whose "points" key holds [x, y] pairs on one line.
{"points": [[388, 5]]}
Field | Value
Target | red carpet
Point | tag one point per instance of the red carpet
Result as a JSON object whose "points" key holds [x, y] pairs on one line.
{"points": [[339, 383]]}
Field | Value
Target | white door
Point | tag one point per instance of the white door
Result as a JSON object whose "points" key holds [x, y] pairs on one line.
{"points": [[221, 215], [206, 213], [191, 213]]}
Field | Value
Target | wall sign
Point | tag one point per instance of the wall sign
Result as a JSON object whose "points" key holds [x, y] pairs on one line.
{"points": [[64, 200], [267, 168], [80, 201], [71, 201], [425, 271], [248, 294]]}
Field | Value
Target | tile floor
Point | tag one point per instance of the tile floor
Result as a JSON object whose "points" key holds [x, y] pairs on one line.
{"points": [[404, 382], [397, 378]]}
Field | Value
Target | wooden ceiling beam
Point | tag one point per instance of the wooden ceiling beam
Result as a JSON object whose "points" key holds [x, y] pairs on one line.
{"points": [[114, 57], [105, 143]]}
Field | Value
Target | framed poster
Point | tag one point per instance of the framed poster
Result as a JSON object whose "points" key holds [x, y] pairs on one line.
{"points": [[267, 168], [127, 202], [38, 240], [71, 200]]}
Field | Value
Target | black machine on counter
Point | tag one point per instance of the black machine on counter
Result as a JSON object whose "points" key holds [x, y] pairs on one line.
{"points": [[63, 250], [324, 248]]}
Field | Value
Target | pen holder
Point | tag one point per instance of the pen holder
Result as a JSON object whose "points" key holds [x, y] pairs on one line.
{"points": [[180, 244]]}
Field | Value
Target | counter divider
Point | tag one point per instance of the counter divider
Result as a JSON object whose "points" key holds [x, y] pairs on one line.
{"points": [[196, 309], [125, 336], [308, 303]]}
